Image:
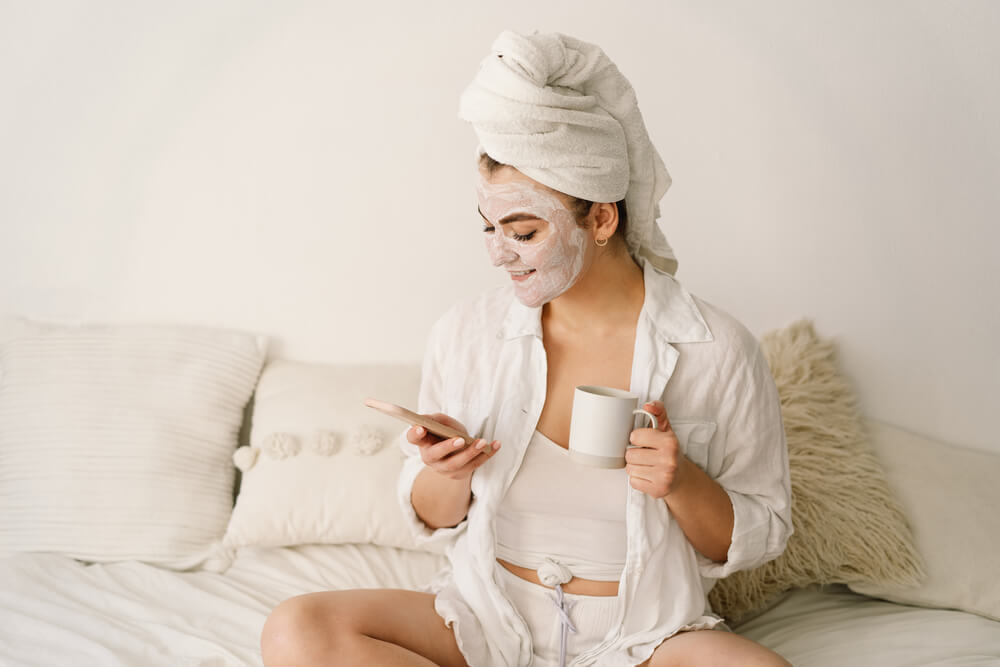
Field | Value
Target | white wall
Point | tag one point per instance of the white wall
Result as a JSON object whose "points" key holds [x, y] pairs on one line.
{"points": [[298, 169]]}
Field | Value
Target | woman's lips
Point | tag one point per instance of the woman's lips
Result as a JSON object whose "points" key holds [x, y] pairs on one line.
{"points": [[519, 278]]}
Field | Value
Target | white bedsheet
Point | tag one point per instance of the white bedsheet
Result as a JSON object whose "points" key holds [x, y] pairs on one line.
{"points": [[834, 627], [56, 611]]}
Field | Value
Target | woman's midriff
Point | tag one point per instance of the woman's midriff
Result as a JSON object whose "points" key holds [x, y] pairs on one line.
{"points": [[576, 585]]}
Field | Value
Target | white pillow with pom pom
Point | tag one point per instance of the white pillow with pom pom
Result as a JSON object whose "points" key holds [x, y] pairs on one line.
{"points": [[322, 467]]}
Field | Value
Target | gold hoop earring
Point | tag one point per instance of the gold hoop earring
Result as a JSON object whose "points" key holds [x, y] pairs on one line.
{"points": [[598, 243]]}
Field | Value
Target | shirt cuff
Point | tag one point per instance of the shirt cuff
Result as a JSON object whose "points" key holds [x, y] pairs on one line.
{"points": [[758, 536], [436, 540]]}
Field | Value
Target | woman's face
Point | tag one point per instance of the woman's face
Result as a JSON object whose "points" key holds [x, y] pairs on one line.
{"points": [[531, 234]]}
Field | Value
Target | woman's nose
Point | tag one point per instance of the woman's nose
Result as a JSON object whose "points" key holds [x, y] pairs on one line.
{"points": [[500, 252]]}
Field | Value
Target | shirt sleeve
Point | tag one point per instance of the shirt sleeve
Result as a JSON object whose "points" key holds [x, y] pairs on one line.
{"points": [[755, 470], [430, 399]]}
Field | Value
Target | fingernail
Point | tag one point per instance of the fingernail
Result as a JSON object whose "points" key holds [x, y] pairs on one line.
{"points": [[459, 442], [420, 430], [480, 444], [496, 445]]}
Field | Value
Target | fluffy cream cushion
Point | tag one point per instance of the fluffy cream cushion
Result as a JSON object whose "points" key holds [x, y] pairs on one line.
{"points": [[116, 440], [849, 526], [952, 496], [321, 466]]}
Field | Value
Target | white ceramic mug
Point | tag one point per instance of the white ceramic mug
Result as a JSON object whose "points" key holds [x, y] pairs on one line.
{"points": [[601, 424]]}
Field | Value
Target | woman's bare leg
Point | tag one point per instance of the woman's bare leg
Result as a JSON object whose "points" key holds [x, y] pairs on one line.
{"points": [[712, 648], [359, 627]]}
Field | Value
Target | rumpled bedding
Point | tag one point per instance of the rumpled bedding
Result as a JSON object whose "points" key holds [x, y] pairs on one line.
{"points": [[58, 611], [834, 627]]}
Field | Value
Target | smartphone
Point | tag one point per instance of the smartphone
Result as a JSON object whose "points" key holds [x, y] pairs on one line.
{"points": [[410, 417]]}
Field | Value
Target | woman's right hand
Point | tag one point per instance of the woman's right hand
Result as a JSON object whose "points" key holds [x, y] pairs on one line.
{"points": [[444, 457]]}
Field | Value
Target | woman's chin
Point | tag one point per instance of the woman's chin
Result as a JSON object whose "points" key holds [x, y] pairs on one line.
{"points": [[531, 303], [535, 299], [529, 299]]}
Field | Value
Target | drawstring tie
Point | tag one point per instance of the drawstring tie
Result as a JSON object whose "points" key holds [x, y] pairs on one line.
{"points": [[553, 573]]}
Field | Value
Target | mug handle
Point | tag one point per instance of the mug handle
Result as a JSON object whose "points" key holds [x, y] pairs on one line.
{"points": [[648, 414]]}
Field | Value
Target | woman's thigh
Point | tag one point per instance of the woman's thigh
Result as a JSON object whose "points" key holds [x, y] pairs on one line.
{"points": [[711, 648], [309, 628]]}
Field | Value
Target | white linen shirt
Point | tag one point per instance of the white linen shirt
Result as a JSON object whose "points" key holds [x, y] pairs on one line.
{"points": [[486, 366]]}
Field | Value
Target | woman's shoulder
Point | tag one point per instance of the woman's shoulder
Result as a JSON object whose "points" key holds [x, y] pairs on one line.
{"points": [[724, 325], [726, 334], [474, 315], [732, 341]]}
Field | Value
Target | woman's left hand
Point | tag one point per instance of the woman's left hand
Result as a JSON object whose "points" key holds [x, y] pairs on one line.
{"points": [[656, 466]]}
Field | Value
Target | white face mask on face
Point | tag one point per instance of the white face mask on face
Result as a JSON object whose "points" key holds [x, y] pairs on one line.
{"points": [[554, 260]]}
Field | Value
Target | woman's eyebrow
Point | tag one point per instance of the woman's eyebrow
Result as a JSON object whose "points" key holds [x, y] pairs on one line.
{"points": [[513, 217]]}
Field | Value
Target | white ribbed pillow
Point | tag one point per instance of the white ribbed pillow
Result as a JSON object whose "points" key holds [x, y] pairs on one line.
{"points": [[116, 440]]}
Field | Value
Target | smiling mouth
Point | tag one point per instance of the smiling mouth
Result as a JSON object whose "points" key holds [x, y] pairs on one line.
{"points": [[520, 275]]}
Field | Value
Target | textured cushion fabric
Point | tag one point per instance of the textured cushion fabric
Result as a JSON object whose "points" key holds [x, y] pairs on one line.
{"points": [[116, 439], [849, 526], [321, 467], [951, 496]]}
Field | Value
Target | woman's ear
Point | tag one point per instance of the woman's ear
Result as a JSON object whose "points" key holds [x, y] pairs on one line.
{"points": [[605, 216]]}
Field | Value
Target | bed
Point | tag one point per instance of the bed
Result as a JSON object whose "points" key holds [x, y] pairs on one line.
{"points": [[307, 477], [56, 610]]}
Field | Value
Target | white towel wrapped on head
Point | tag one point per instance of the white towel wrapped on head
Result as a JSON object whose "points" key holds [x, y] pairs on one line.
{"points": [[559, 111]]}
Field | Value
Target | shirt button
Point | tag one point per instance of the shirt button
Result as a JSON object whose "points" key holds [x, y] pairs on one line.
{"points": [[499, 335]]}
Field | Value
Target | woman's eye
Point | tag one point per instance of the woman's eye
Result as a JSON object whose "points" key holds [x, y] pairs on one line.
{"points": [[514, 235]]}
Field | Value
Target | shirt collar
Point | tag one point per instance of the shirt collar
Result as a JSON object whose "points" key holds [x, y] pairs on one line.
{"points": [[670, 309]]}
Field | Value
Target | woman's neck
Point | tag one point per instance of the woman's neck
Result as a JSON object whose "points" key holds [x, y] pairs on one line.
{"points": [[607, 296]]}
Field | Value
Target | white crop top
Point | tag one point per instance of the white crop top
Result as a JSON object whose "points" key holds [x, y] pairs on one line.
{"points": [[569, 511]]}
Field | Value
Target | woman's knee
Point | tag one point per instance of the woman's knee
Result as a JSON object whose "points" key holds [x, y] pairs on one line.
{"points": [[298, 631], [769, 659], [713, 647], [778, 661]]}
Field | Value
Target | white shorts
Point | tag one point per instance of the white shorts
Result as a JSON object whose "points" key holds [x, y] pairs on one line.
{"points": [[592, 615]]}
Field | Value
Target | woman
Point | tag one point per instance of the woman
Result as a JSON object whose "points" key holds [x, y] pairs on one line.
{"points": [[551, 562]]}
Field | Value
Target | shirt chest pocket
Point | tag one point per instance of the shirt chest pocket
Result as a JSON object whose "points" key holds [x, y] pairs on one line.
{"points": [[694, 437]]}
